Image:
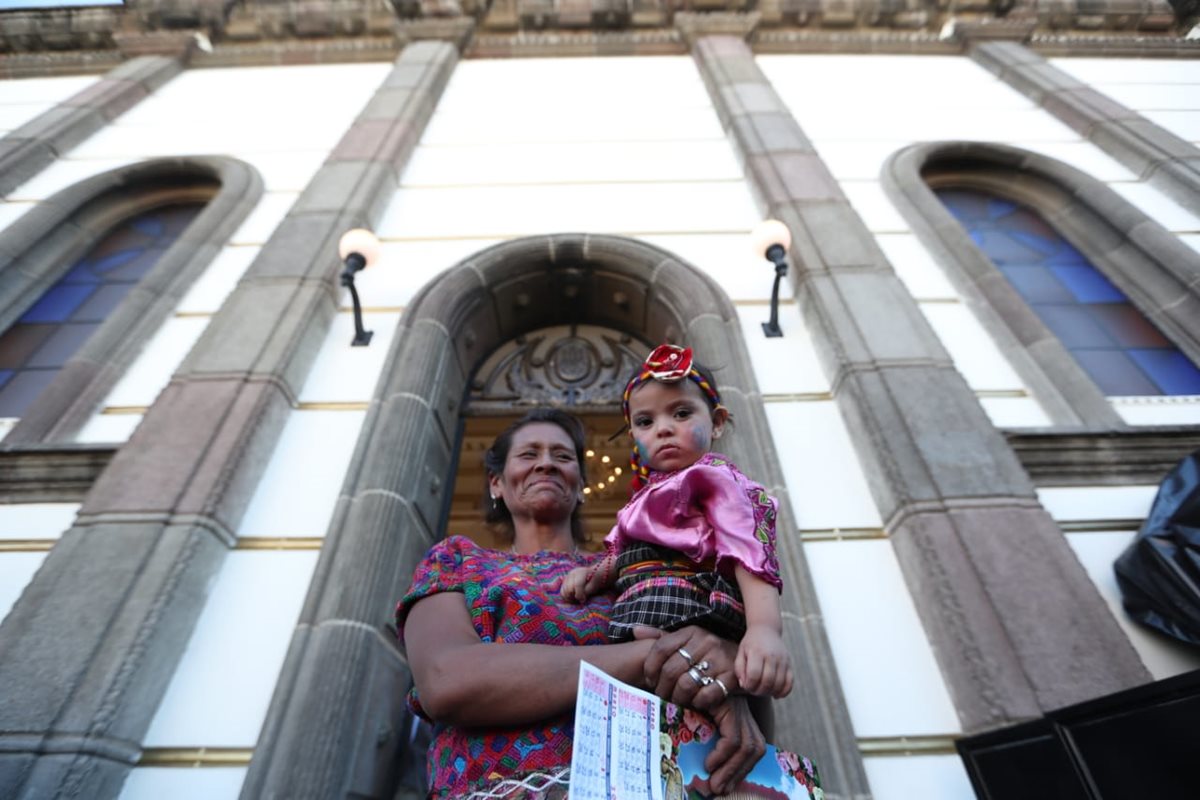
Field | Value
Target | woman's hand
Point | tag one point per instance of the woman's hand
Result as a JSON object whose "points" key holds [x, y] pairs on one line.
{"points": [[669, 671], [739, 746]]}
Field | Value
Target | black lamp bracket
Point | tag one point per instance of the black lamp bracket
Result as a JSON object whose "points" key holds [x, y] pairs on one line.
{"points": [[354, 263], [777, 255]]}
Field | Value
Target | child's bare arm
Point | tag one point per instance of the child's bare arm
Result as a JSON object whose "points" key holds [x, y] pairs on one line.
{"points": [[763, 666], [583, 582]]}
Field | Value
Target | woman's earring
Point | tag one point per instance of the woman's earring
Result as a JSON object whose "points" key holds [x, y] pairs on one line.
{"points": [[494, 506]]}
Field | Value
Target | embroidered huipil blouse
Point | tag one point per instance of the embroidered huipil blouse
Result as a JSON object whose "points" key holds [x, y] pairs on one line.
{"points": [[510, 598]]}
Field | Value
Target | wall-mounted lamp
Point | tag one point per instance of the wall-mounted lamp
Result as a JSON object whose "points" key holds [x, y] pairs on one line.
{"points": [[358, 249], [771, 240]]}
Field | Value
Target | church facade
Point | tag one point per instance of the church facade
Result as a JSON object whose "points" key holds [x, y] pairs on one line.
{"points": [[210, 499]]}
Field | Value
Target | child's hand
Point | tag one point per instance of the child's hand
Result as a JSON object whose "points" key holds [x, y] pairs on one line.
{"points": [[763, 666], [574, 585]]}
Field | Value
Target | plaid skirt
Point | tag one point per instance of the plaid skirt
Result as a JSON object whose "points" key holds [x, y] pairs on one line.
{"points": [[660, 588]]}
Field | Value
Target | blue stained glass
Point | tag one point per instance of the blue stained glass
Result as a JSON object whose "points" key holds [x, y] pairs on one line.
{"points": [[132, 271], [114, 260], [997, 206], [1127, 326], [69, 312], [150, 226], [1170, 369], [22, 389], [57, 304], [1037, 285], [1003, 248], [1074, 326], [1115, 373], [1088, 285], [59, 348], [1047, 248], [1122, 351], [82, 273]]}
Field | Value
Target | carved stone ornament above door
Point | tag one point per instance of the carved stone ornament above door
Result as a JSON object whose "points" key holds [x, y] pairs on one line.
{"points": [[580, 367]]}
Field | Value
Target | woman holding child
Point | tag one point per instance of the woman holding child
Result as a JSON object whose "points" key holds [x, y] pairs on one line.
{"points": [[495, 638]]}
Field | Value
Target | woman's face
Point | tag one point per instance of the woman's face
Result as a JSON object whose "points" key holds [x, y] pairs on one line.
{"points": [[541, 479]]}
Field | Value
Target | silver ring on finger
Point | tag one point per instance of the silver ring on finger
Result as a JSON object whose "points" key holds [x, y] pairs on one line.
{"points": [[686, 656], [706, 680], [703, 666], [695, 675], [721, 683]]}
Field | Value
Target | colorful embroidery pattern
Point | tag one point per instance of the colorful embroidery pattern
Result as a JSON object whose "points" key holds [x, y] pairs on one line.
{"points": [[509, 600]]}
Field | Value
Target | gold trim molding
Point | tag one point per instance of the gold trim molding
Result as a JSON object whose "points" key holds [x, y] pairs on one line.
{"points": [[798, 397], [355, 405], [940, 745], [27, 545], [1100, 525], [196, 757], [279, 543], [841, 534]]}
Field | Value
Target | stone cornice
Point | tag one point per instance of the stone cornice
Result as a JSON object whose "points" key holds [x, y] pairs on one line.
{"points": [[51, 474], [258, 31], [1100, 458]]}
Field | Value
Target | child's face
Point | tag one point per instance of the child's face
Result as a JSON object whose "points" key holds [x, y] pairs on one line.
{"points": [[671, 424]]}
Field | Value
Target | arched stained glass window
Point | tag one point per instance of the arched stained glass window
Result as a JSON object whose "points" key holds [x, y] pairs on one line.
{"points": [[48, 334], [1122, 351]]}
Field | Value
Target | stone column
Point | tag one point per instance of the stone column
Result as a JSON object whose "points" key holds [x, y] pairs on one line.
{"points": [[32, 147], [1015, 624], [1154, 154], [88, 650]]}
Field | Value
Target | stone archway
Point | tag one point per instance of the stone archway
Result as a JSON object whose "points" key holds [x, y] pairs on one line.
{"points": [[342, 669]]}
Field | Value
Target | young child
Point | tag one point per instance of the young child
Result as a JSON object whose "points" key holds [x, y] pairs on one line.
{"points": [[695, 545]]}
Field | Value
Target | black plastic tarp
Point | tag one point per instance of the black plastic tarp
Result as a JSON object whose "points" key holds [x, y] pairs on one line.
{"points": [[1159, 573]]}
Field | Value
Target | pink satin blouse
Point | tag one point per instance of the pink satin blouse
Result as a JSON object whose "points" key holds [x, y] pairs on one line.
{"points": [[709, 512]]}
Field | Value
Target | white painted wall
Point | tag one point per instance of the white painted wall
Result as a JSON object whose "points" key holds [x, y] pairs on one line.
{"points": [[28, 522], [1165, 91]]}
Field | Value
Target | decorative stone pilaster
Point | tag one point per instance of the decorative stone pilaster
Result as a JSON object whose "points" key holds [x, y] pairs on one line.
{"points": [[1016, 625], [1153, 153], [88, 650], [29, 149]]}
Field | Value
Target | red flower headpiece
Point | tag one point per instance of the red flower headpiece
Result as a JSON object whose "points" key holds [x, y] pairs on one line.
{"points": [[668, 363]]}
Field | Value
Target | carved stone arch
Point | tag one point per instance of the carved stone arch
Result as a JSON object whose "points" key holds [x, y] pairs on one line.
{"points": [[391, 507], [1159, 274], [43, 244]]}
